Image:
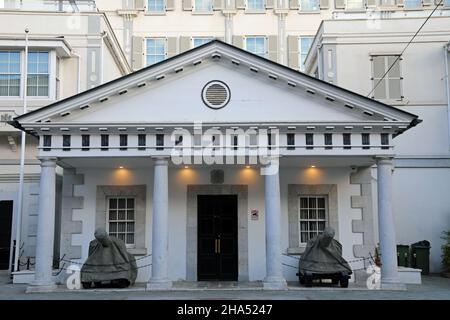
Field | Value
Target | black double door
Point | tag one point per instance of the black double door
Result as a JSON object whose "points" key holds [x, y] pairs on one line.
{"points": [[6, 211], [217, 238]]}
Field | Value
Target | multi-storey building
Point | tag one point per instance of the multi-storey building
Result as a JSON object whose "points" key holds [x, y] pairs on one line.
{"points": [[113, 37]]}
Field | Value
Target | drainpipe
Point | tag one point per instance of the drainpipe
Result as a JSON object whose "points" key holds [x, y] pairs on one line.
{"points": [[447, 84], [78, 71], [22, 162]]}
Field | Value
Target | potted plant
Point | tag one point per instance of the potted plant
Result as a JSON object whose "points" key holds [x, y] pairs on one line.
{"points": [[446, 254]]}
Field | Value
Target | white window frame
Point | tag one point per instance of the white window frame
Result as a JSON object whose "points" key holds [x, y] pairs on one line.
{"points": [[147, 54], [300, 7], [51, 72], [133, 245], [301, 65], [247, 7], [375, 80], [266, 53], [317, 220], [163, 10], [9, 73], [200, 38], [194, 6]]}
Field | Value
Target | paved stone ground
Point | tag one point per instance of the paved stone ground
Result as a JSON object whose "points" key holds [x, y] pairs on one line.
{"points": [[432, 288]]}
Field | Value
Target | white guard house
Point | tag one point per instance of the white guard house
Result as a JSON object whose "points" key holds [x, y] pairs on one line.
{"points": [[216, 164]]}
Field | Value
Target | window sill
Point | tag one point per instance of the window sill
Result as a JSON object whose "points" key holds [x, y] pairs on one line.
{"points": [[254, 11], [203, 13], [296, 250], [155, 13], [308, 11]]}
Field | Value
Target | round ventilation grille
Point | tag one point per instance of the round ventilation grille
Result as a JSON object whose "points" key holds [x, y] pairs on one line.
{"points": [[216, 94]]}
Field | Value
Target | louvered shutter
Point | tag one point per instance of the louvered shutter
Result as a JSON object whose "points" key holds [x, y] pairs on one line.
{"points": [[339, 4], [171, 46], [138, 53], [217, 5], [324, 4], [240, 4], [140, 4], [238, 41], [272, 48], [170, 5], [293, 4], [269, 4], [187, 5], [293, 52], [185, 44]]}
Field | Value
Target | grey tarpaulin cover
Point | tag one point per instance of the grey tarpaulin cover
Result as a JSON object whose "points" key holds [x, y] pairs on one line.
{"points": [[108, 260], [323, 254]]}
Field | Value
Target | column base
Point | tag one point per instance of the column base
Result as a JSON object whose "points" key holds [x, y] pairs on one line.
{"points": [[275, 284], [159, 285], [36, 287], [391, 285]]}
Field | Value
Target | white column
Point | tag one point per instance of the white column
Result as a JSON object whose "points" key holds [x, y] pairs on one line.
{"points": [[160, 227], [274, 271], [386, 229], [45, 229]]}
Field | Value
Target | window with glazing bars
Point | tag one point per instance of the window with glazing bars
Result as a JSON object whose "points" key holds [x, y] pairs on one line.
{"points": [[38, 74], [312, 216], [121, 219], [9, 73], [104, 142]]}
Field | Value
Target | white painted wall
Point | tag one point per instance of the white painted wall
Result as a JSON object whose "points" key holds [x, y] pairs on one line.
{"points": [[178, 181]]}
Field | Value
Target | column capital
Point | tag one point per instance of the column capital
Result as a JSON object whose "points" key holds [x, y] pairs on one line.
{"points": [[48, 161], [160, 161], [384, 159]]}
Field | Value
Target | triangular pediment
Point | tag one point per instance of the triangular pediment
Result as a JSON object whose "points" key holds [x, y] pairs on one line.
{"points": [[259, 91]]}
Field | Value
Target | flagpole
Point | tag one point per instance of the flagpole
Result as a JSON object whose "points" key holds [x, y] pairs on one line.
{"points": [[22, 161]]}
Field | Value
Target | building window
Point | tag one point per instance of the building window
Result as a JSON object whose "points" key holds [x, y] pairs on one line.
{"points": [[304, 44], [309, 141], [411, 4], [328, 140], [66, 142], [104, 142], [235, 141], [156, 5], [388, 87], [123, 140], [256, 5], [203, 5], [385, 141], [309, 5], [347, 139], [256, 45], [355, 5], [156, 50], [85, 141], [312, 216], [159, 141], [196, 42], [47, 142], [291, 141], [38, 74], [446, 3], [365, 140], [9, 73], [121, 219], [142, 141]]}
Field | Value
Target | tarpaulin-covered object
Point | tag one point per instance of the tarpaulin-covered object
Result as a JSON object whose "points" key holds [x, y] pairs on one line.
{"points": [[323, 259], [108, 260]]}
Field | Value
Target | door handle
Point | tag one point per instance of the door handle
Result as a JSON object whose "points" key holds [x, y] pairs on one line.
{"points": [[215, 245], [218, 251]]}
